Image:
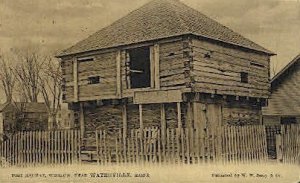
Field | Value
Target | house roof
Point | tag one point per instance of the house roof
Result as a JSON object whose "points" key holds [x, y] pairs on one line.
{"points": [[160, 19], [31, 107], [285, 70]]}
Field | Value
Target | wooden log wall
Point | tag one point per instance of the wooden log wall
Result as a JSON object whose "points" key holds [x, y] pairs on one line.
{"points": [[241, 115], [172, 65], [104, 65], [108, 117], [217, 69], [67, 73]]}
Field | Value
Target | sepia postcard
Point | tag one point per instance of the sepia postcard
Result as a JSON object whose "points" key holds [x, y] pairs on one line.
{"points": [[150, 91]]}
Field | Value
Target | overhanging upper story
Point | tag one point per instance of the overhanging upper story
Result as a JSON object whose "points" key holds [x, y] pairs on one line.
{"points": [[150, 58]]}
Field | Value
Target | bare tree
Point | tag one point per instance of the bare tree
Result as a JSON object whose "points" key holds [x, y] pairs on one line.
{"points": [[50, 87], [274, 67], [7, 78], [28, 75]]}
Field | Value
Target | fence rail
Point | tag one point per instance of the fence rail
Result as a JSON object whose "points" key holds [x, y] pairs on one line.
{"points": [[226, 144], [41, 147]]}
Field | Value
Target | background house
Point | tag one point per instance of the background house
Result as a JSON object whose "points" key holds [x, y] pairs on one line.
{"points": [[165, 65], [20, 116], [284, 103]]}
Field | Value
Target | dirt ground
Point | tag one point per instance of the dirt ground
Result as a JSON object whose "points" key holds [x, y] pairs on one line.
{"points": [[254, 173]]}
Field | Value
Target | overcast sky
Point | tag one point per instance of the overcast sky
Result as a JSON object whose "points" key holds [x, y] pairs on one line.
{"points": [[53, 25]]}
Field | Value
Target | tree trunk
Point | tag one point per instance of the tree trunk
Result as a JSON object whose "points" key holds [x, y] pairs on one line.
{"points": [[51, 122]]}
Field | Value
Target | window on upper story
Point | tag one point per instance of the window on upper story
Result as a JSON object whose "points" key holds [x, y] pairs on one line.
{"points": [[86, 59], [140, 76], [94, 80], [244, 77]]}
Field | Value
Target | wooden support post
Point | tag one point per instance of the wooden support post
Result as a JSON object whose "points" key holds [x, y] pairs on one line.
{"points": [[81, 119], [118, 63], [189, 115], [156, 66], [152, 67], [196, 110], [127, 65], [75, 79], [179, 115], [141, 116]]}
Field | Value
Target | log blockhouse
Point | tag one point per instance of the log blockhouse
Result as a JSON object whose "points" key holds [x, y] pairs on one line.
{"points": [[165, 65]]}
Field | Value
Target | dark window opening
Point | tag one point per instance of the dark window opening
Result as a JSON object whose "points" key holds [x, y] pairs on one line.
{"points": [[63, 71], [87, 59], [64, 97], [244, 77], [63, 87], [207, 55], [62, 64], [94, 80], [140, 67], [171, 54], [186, 54], [288, 120], [257, 65]]}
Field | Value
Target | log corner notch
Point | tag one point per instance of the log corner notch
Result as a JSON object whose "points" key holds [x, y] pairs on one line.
{"points": [[75, 78]]}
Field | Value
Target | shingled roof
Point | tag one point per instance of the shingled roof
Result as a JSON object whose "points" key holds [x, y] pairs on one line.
{"points": [[160, 19]]}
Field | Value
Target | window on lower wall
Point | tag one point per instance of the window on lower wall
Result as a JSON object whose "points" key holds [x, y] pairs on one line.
{"points": [[244, 77], [140, 76], [94, 80], [288, 120]]}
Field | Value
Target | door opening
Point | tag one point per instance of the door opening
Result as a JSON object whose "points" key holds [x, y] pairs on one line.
{"points": [[140, 67]]}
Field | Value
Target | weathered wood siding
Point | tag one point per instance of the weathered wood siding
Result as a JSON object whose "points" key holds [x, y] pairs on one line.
{"points": [[220, 72], [107, 117], [241, 115], [68, 85], [104, 65], [285, 98], [171, 115], [271, 120], [172, 65], [172, 72]]}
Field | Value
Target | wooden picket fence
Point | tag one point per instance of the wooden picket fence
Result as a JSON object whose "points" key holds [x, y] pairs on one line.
{"points": [[227, 144], [271, 132], [288, 144], [41, 147]]}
